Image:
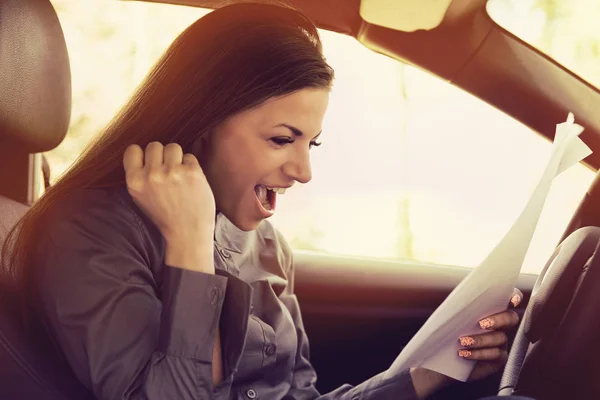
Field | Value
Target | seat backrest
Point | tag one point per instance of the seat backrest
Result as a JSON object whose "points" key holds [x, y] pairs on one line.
{"points": [[10, 212], [35, 104]]}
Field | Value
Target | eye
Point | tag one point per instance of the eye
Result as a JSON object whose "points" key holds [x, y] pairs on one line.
{"points": [[315, 144], [282, 140]]}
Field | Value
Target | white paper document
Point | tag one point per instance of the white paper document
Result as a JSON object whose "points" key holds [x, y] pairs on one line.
{"points": [[487, 289]]}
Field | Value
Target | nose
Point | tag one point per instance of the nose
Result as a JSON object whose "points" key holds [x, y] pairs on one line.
{"points": [[299, 168]]}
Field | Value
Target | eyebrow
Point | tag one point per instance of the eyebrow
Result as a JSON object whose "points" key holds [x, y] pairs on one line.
{"points": [[297, 132]]}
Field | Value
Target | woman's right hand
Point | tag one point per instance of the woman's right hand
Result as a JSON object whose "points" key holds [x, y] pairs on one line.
{"points": [[171, 189]]}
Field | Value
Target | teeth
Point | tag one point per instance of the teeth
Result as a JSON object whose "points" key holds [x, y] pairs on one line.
{"points": [[277, 190]]}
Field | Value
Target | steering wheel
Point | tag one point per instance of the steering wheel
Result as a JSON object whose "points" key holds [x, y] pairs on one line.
{"points": [[555, 354]]}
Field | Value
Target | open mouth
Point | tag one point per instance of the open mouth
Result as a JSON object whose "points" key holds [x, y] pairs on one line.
{"points": [[267, 196]]}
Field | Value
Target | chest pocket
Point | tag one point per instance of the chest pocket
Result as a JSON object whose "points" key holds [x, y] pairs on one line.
{"points": [[260, 351]]}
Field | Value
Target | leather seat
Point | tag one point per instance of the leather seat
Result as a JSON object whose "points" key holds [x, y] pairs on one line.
{"points": [[10, 212], [35, 106]]}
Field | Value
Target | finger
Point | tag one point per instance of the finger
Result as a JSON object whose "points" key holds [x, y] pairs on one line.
{"points": [[173, 154], [516, 297], [133, 158], [190, 160], [489, 354], [491, 339], [153, 156], [503, 320]]}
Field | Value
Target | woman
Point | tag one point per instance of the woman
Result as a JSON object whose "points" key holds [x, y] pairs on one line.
{"points": [[145, 292]]}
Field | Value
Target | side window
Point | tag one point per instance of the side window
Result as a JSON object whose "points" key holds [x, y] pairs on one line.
{"points": [[112, 45], [411, 168]]}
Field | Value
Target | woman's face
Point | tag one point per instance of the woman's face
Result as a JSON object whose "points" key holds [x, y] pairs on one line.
{"points": [[264, 148]]}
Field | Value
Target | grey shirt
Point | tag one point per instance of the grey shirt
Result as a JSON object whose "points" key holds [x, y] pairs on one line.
{"points": [[132, 327]]}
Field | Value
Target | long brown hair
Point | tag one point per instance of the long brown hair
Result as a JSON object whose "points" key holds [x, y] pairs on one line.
{"points": [[228, 61]]}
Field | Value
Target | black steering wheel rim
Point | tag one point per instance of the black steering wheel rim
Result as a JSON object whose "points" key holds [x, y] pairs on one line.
{"points": [[556, 332]]}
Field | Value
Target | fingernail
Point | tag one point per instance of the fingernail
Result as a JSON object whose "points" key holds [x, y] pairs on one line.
{"points": [[515, 300], [487, 323], [466, 341], [465, 353]]}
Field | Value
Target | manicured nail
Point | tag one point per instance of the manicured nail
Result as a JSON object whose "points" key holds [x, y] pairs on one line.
{"points": [[486, 323], [515, 300], [464, 353], [467, 341]]}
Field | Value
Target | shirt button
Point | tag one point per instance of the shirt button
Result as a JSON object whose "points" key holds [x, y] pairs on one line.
{"points": [[225, 253], [270, 349], [251, 393]]}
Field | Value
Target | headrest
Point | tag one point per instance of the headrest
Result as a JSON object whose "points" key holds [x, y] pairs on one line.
{"points": [[35, 78]]}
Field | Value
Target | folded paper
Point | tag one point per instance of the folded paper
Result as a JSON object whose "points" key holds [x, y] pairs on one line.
{"points": [[487, 289]]}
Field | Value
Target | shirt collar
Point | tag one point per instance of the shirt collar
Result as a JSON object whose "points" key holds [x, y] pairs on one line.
{"points": [[229, 236]]}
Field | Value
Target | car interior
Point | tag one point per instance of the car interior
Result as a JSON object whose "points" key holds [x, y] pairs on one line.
{"points": [[358, 313]]}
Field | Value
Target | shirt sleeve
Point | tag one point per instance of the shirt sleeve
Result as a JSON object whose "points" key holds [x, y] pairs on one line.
{"points": [[125, 334], [304, 379]]}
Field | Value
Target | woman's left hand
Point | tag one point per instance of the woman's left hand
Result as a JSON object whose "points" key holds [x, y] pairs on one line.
{"points": [[489, 349]]}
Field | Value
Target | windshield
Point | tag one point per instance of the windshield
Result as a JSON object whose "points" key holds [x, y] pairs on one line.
{"points": [[565, 30], [437, 173]]}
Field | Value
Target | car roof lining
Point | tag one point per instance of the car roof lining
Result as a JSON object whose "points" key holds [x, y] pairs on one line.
{"points": [[471, 51]]}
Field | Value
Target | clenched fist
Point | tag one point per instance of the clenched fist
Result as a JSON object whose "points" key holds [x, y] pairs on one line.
{"points": [[171, 189]]}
